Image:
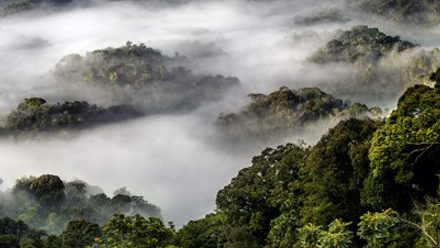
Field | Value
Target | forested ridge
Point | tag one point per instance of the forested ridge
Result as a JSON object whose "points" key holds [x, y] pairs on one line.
{"points": [[370, 181], [134, 80], [423, 12], [35, 117], [142, 76], [366, 183], [286, 112]]}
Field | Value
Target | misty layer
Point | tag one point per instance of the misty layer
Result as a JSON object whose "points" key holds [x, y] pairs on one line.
{"points": [[381, 66], [47, 203], [142, 76], [325, 16], [34, 117], [285, 112], [364, 184], [403, 11], [17, 6], [360, 45], [10, 7]]}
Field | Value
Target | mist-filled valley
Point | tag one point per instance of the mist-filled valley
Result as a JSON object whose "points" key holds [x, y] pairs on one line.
{"points": [[174, 104]]}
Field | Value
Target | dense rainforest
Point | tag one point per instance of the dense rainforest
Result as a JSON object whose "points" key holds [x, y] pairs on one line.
{"points": [[285, 112], [370, 181], [143, 76], [366, 183], [134, 80]]}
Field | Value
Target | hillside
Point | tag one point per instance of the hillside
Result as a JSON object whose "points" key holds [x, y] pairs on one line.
{"points": [[360, 45], [48, 203], [366, 183], [403, 11], [285, 112], [378, 66], [142, 76], [36, 117]]}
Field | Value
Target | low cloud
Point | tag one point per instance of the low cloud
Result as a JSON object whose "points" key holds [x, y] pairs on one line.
{"points": [[175, 161]]}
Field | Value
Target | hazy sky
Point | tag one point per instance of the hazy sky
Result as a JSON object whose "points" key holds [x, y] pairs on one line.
{"points": [[173, 160]]}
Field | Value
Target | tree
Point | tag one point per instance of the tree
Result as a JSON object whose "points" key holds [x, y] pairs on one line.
{"points": [[428, 226], [308, 236], [53, 241], [378, 228], [135, 232], [285, 112], [49, 190], [405, 153], [435, 76], [9, 241], [207, 232], [80, 233], [254, 197], [336, 236], [333, 175]]}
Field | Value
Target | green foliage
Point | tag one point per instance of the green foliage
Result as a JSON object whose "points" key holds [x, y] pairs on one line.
{"points": [[135, 232], [435, 76], [257, 194], [429, 226], [34, 116], [240, 236], [404, 153], [49, 204], [378, 228], [106, 206], [285, 112], [203, 233], [361, 45], [80, 233], [336, 236], [9, 226], [333, 175], [14, 234], [47, 190], [380, 66], [53, 241], [308, 236], [140, 75], [282, 233], [9, 241], [423, 12]]}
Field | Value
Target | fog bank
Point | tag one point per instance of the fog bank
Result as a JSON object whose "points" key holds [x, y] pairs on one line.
{"points": [[175, 161]]}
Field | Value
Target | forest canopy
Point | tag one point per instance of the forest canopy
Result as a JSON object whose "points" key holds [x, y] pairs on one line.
{"points": [[286, 112], [34, 117], [403, 11], [142, 76]]}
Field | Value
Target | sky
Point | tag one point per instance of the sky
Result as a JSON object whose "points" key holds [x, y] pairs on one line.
{"points": [[174, 160]]}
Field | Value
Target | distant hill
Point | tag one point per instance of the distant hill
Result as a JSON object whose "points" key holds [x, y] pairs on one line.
{"points": [[34, 116], [424, 12], [137, 74], [48, 203], [286, 111], [361, 45], [10, 7], [17, 6], [380, 66]]}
